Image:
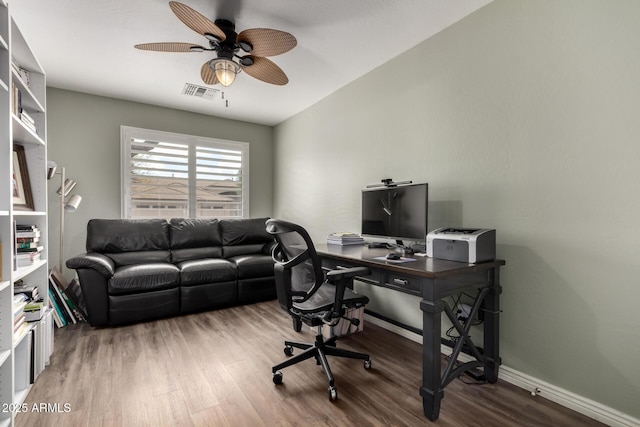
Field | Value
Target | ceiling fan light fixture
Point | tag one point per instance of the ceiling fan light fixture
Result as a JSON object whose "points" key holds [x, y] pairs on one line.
{"points": [[225, 70]]}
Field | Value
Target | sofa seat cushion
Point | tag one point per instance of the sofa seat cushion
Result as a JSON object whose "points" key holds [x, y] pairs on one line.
{"points": [[144, 277], [211, 270], [250, 266]]}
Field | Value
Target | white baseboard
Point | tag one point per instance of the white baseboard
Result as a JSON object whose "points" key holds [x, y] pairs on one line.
{"points": [[538, 388]]}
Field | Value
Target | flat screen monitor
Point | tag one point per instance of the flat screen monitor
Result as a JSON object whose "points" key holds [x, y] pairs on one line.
{"points": [[398, 213]]}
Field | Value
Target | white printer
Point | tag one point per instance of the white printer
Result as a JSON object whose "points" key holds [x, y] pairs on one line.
{"points": [[471, 245]]}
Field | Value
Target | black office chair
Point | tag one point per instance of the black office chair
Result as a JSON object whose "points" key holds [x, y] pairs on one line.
{"points": [[312, 298]]}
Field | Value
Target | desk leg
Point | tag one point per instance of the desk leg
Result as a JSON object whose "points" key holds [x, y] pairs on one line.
{"points": [[492, 326], [431, 390]]}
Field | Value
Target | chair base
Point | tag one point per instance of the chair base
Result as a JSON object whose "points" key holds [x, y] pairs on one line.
{"points": [[320, 349]]}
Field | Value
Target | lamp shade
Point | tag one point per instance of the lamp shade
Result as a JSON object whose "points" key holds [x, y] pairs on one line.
{"points": [[67, 187], [225, 70], [73, 203], [51, 169]]}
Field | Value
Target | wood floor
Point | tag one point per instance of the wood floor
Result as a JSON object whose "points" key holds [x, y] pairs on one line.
{"points": [[214, 369]]}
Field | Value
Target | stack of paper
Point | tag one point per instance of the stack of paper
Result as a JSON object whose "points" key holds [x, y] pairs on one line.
{"points": [[345, 238]]}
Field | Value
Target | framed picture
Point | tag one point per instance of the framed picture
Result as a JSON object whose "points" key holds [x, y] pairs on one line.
{"points": [[22, 197]]}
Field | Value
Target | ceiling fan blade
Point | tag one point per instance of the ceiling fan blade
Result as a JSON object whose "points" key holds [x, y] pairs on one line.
{"points": [[196, 21], [266, 70], [267, 42], [170, 47], [207, 74]]}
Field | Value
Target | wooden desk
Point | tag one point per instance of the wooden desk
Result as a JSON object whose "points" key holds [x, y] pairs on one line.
{"points": [[433, 280]]}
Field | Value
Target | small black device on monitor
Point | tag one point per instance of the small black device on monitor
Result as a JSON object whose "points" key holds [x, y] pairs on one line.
{"points": [[396, 212]]}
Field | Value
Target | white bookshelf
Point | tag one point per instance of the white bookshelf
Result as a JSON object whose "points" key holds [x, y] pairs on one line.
{"points": [[23, 353]]}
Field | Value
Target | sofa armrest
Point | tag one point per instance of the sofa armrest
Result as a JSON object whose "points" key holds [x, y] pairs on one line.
{"points": [[94, 271], [94, 261]]}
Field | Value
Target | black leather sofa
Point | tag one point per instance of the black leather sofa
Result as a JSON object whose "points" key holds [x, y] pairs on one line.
{"points": [[137, 270]]}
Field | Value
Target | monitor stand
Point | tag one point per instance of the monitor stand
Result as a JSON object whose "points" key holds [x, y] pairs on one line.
{"points": [[407, 249], [373, 245]]}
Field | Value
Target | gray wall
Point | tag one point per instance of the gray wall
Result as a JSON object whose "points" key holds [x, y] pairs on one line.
{"points": [[84, 137], [522, 117]]}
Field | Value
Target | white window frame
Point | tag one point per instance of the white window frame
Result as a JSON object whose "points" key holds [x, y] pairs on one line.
{"points": [[127, 133]]}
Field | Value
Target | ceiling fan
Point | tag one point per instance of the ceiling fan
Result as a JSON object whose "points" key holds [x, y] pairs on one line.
{"points": [[245, 51]]}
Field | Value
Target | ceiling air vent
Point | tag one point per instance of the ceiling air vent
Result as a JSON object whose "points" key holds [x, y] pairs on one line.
{"points": [[199, 91]]}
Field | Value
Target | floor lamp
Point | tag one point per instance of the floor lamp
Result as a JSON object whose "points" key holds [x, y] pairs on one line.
{"points": [[69, 205]]}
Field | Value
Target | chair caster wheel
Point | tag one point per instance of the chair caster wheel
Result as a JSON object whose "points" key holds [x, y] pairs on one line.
{"points": [[333, 394], [367, 364], [277, 378], [288, 350]]}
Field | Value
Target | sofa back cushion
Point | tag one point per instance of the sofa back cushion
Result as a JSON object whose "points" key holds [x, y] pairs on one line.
{"points": [[244, 236], [130, 241], [195, 239]]}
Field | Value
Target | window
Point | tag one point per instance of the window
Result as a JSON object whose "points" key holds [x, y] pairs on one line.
{"points": [[168, 175]]}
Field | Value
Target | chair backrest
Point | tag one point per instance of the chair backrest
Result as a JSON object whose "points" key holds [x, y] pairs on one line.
{"points": [[298, 269]]}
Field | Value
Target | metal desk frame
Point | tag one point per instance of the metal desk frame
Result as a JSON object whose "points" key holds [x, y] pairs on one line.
{"points": [[433, 280]]}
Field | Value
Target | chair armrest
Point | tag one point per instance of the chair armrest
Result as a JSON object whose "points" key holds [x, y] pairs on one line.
{"points": [[267, 249], [347, 273], [341, 279], [94, 261]]}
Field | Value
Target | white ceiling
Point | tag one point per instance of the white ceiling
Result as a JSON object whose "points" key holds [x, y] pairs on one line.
{"points": [[87, 46]]}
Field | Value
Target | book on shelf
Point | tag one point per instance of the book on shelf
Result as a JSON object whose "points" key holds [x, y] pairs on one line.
{"points": [[28, 234], [31, 291], [345, 238], [28, 121], [18, 322], [20, 329], [28, 254], [28, 125], [19, 112], [22, 73], [16, 100], [27, 250], [27, 258], [19, 303], [26, 227], [25, 76], [26, 118], [28, 243]]}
